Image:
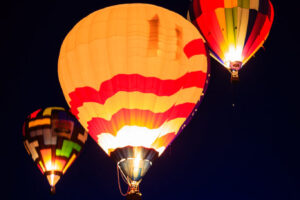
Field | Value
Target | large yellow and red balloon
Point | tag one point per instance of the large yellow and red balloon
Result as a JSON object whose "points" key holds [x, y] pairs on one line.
{"points": [[54, 138], [234, 29], [133, 74]]}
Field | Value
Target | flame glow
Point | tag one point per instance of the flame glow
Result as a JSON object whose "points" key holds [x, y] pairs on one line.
{"points": [[52, 179], [136, 164], [49, 166], [129, 136], [233, 54], [57, 166], [138, 136]]}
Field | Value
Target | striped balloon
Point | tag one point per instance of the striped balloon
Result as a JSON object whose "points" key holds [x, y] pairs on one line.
{"points": [[132, 74], [233, 29]]}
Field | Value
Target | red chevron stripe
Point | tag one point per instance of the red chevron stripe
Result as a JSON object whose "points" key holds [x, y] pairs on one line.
{"points": [[34, 114], [195, 47], [143, 118], [138, 83]]}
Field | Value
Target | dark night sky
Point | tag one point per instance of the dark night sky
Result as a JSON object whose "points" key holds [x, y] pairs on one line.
{"points": [[247, 153]]}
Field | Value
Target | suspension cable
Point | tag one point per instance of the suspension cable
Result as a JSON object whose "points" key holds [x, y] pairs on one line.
{"points": [[119, 184]]}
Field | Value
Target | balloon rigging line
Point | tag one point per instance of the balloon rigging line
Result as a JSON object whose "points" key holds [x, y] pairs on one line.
{"points": [[119, 185]]}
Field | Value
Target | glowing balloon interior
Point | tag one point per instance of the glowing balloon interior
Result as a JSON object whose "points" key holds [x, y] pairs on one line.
{"points": [[133, 74], [54, 138]]}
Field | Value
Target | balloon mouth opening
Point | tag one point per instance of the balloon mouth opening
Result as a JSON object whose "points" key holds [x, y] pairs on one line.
{"points": [[134, 169], [133, 163], [130, 152], [53, 177]]}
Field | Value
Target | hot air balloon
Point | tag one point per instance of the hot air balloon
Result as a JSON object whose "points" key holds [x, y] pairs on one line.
{"points": [[54, 138], [133, 74], [234, 29]]}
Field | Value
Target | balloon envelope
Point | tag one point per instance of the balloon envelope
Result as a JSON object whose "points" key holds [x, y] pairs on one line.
{"points": [[54, 138], [132, 74], [233, 29]]}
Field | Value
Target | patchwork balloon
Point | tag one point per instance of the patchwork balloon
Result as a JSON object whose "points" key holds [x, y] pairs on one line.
{"points": [[233, 29], [133, 74], [54, 138]]}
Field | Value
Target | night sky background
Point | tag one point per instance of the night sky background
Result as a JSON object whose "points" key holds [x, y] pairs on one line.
{"points": [[250, 152]]}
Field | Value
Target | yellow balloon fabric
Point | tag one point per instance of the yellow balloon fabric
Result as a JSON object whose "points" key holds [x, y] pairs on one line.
{"points": [[133, 74]]}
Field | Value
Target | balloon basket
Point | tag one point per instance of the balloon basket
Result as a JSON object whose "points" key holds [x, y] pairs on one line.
{"points": [[235, 66], [235, 77], [52, 190], [134, 196], [134, 193]]}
